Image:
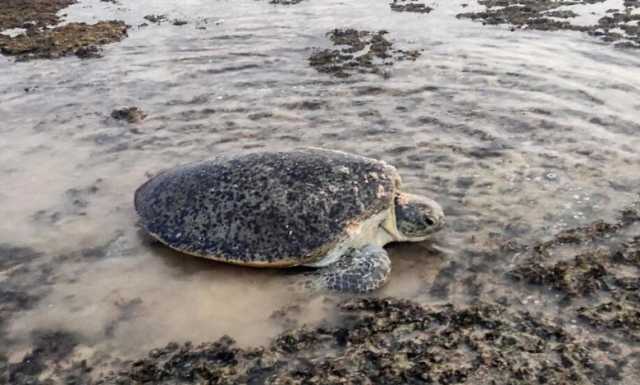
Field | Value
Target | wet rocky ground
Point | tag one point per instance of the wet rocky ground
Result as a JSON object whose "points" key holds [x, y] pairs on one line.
{"points": [[619, 26], [361, 51], [492, 339], [387, 341], [602, 269], [512, 300], [374, 341]]}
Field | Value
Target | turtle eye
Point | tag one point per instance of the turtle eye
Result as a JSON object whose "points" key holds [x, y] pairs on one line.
{"points": [[429, 221]]}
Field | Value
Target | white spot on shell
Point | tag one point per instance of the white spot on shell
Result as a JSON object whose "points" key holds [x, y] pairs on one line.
{"points": [[343, 170]]}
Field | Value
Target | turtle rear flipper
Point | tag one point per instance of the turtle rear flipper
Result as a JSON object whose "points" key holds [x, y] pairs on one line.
{"points": [[358, 271]]}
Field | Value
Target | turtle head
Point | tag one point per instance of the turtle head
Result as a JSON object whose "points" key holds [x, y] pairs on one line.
{"points": [[417, 216]]}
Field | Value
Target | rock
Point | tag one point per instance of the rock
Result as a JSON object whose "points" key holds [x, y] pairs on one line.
{"points": [[409, 6], [361, 51], [79, 39], [130, 114]]}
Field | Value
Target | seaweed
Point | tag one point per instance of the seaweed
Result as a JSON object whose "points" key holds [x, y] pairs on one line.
{"points": [[358, 51]]}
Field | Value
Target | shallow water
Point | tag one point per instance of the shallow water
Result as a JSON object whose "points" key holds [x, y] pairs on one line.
{"points": [[519, 134]]}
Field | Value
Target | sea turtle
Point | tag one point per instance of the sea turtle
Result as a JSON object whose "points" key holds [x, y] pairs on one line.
{"points": [[304, 207]]}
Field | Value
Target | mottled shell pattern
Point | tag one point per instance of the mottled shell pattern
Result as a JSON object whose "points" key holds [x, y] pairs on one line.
{"points": [[272, 209]]}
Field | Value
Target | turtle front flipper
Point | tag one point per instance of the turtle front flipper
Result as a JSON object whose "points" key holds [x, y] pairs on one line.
{"points": [[358, 271]]}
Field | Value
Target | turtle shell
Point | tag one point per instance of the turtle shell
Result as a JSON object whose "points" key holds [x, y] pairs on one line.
{"points": [[265, 208]]}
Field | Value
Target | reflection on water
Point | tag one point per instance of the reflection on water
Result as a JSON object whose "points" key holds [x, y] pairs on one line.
{"points": [[517, 135]]}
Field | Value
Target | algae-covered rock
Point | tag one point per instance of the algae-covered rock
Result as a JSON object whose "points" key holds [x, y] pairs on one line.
{"points": [[595, 269], [621, 315], [583, 275], [386, 341], [409, 6], [130, 114], [79, 39], [598, 251], [620, 26], [358, 51], [41, 41], [285, 2]]}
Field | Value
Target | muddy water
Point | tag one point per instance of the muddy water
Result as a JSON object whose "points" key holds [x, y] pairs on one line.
{"points": [[518, 135]]}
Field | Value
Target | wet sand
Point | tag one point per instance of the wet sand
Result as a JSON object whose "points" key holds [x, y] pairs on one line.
{"points": [[526, 138]]}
